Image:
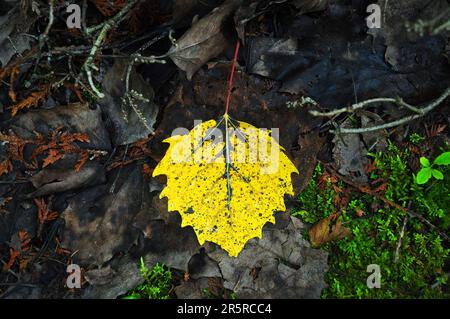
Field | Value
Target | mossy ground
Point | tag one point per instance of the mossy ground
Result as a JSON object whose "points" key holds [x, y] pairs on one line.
{"points": [[158, 283], [418, 269], [422, 265]]}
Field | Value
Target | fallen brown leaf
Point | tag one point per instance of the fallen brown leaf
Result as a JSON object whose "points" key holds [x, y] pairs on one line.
{"points": [[204, 41], [327, 230]]}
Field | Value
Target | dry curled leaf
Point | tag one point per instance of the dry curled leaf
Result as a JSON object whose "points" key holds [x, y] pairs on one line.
{"points": [[54, 180], [14, 27], [221, 187], [204, 41], [326, 230]]}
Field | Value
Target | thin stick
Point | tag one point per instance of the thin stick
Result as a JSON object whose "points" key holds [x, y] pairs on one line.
{"points": [[105, 27], [399, 243], [87, 65], [421, 112], [51, 17], [397, 101], [114, 20]]}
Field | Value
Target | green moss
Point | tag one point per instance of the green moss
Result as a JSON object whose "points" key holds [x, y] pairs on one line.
{"points": [[419, 270], [157, 283]]}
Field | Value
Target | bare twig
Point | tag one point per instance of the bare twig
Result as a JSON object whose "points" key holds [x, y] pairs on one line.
{"points": [[353, 107], [88, 64], [113, 186], [51, 18], [435, 26], [399, 243], [104, 28], [114, 20], [443, 27], [420, 112]]}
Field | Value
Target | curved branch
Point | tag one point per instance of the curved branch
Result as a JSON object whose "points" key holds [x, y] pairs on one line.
{"points": [[420, 112]]}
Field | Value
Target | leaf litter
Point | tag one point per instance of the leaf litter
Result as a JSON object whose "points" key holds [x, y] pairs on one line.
{"points": [[92, 200]]}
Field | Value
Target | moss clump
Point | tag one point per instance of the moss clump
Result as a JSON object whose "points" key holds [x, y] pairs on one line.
{"points": [[419, 271], [157, 283]]}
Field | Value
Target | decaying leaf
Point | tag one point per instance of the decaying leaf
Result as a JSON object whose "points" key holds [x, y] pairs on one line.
{"points": [[77, 118], [51, 180], [98, 220], [326, 230], [348, 152], [204, 41], [288, 266], [133, 118], [13, 28], [222, 188], [147, 171]]}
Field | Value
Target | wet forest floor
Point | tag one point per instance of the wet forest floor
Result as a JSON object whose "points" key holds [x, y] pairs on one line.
{"points": [[362, 113]]}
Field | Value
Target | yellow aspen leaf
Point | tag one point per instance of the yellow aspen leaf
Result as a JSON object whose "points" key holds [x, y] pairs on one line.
{"points": [[227, 187]]}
